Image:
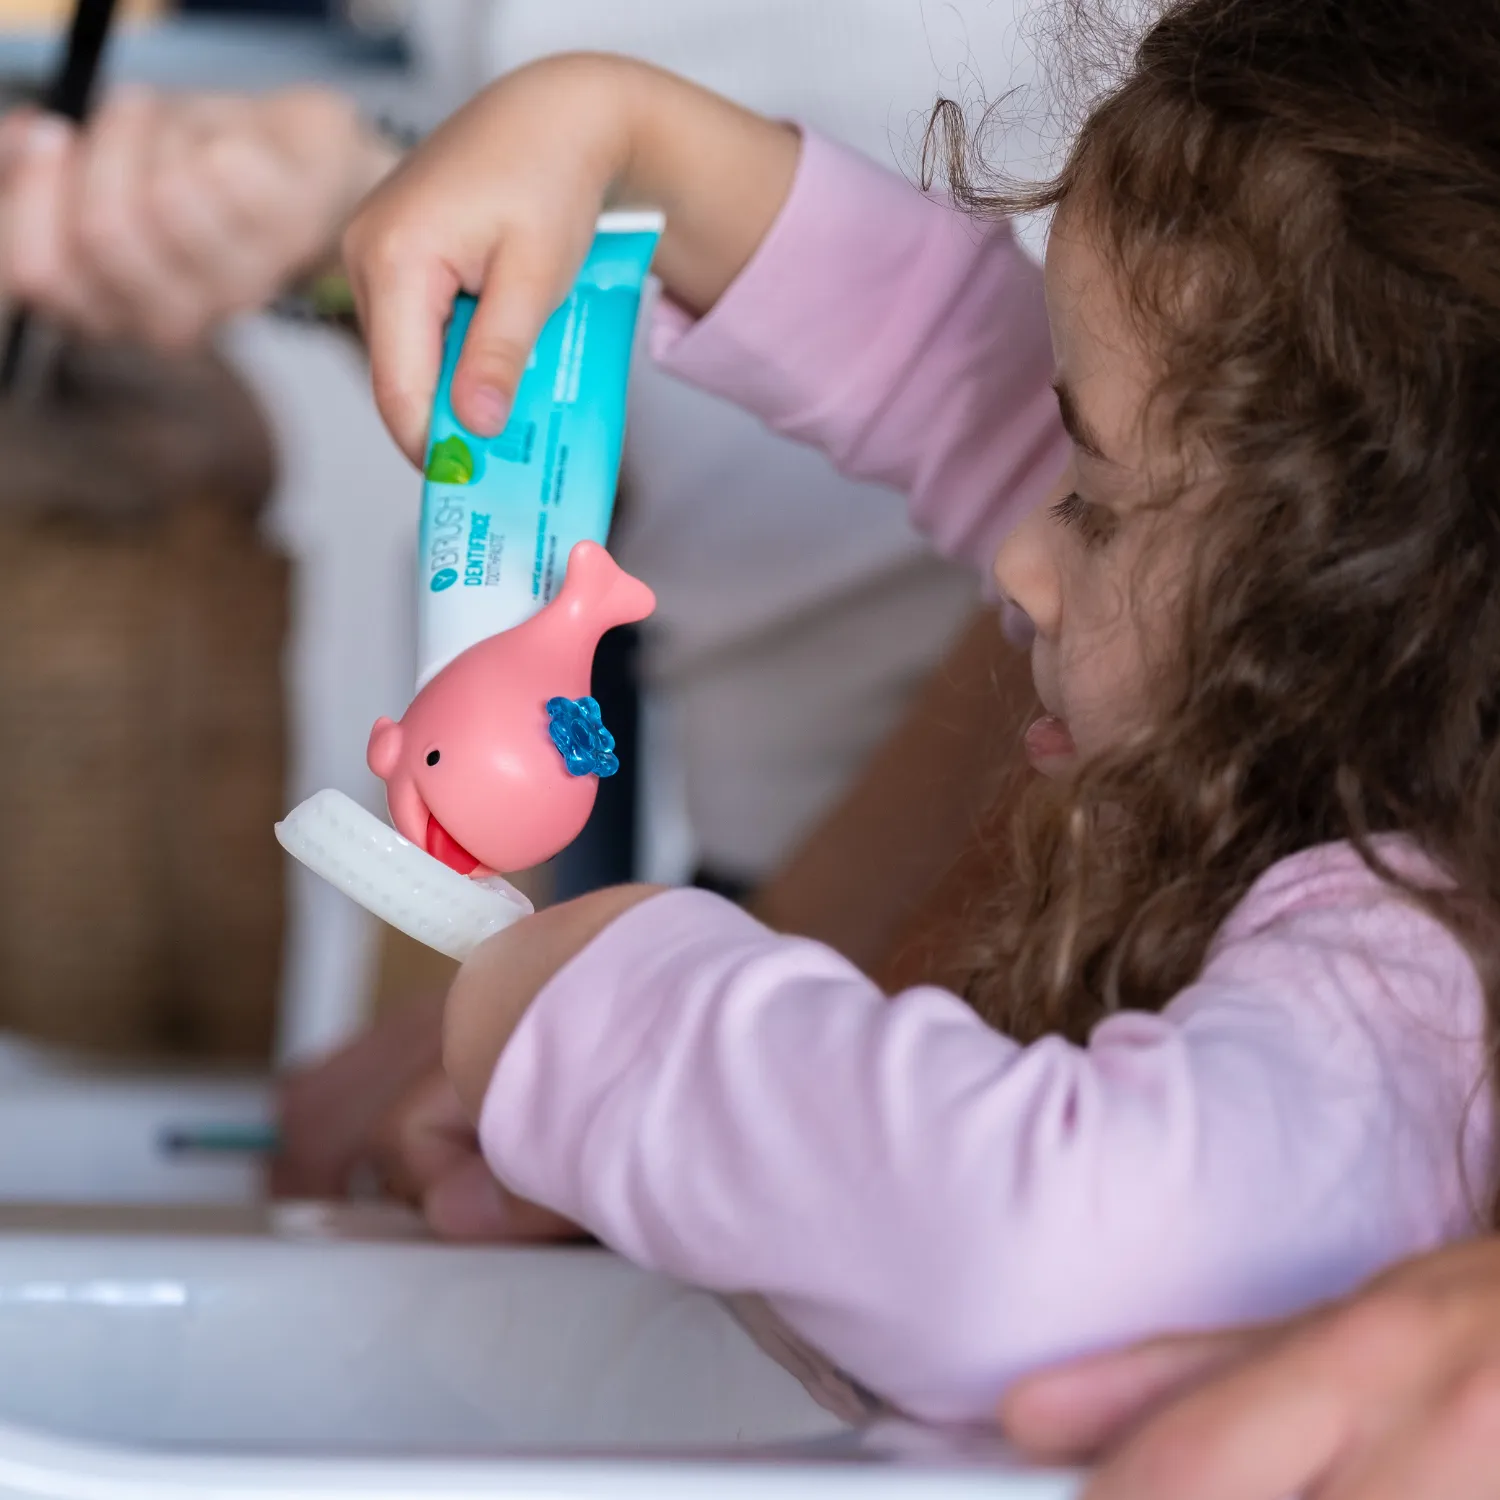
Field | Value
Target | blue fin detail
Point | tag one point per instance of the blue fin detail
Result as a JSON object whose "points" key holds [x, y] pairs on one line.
{"points": [[577, 729]]}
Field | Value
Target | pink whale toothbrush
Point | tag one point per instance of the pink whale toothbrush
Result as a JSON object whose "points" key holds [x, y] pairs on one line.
{"points": [[495, 765]]}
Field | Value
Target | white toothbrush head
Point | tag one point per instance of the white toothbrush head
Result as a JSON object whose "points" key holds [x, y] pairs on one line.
{"points": [[371, 863]]}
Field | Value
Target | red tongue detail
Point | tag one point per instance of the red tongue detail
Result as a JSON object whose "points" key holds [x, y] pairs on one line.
{"points": [[442, 845]]}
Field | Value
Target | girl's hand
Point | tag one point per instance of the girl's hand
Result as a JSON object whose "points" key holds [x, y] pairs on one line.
{"points": [[170, 213], [427, 1153], [1393, 1394], [501, 202], [507, 972]]}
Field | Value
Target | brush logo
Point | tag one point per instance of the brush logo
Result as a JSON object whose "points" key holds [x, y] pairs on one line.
{"points": [[444, 578]]}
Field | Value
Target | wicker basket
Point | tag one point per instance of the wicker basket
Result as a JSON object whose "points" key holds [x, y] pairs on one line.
{"points": [[142, 619]]}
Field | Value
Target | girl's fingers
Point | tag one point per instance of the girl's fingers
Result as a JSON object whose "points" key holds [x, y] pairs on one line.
{"points": [[523, 286], [404, 303], [423, 1137], [469, 1205], [1075, 1410], [469, 213], [427, 1152]]}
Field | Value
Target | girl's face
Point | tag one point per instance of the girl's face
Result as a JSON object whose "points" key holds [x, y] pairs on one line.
{"points": [[1092, 569]]}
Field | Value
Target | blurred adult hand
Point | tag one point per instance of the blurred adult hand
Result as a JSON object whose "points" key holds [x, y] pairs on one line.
{"points": [[331, 1111], [1391, 1394], [169, 213], [383, 1103]]}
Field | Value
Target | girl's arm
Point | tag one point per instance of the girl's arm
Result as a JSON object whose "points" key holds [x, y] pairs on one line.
{"points": [[825, 295], [905, 340], [939, 1209]]}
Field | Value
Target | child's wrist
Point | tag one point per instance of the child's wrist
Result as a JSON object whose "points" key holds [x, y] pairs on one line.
{"points": [[499, 982], [720, 174], [630, 99], [597, 99]]}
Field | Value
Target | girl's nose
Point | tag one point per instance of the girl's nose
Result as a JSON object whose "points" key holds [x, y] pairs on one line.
{"points": [[1028, 579]]}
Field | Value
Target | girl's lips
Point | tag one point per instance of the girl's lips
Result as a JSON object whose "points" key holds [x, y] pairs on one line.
{"points": [[441, 845], [1049, 739]]}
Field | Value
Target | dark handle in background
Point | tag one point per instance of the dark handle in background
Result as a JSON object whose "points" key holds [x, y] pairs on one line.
{"points": [[69, 95]]}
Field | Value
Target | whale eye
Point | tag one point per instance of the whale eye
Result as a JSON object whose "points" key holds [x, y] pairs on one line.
{"points": [[434, 756]]}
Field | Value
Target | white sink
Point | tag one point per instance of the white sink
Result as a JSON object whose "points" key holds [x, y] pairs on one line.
{"points": [[162, 1354], [164, 1336]]}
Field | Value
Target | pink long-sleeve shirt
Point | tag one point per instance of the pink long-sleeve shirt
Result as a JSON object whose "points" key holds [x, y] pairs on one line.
{"points": [[933, 1206]]}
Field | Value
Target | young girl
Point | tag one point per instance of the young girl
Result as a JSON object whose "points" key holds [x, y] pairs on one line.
{"points": [[1226, 1050]]}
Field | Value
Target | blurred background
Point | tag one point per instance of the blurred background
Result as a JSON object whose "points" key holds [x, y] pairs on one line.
{"points": [[205, 560], [207, 557]]}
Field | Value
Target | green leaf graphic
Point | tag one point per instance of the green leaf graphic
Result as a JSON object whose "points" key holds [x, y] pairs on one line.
{"points": [[450, 462]]}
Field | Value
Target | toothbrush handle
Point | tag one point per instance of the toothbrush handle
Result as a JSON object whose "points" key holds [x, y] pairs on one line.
{"points": [[73, 84], [69, 94]]}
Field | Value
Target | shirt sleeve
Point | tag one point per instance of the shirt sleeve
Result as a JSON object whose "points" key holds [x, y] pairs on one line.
{"points": [[907, 341], [939, 1209]]}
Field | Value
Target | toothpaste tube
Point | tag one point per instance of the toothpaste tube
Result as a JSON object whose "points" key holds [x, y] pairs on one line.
{"points": [[501, 515], [496, 762]]}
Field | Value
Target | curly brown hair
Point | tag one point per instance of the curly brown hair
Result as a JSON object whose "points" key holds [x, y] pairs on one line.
{"points": [[1301, 202]]}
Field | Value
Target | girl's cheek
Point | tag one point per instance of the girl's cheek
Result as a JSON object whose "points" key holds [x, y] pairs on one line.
{"points": [[1105, 672]]}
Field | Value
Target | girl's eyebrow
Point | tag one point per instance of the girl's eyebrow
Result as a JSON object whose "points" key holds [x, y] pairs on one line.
{"points": [[1074, 423]]}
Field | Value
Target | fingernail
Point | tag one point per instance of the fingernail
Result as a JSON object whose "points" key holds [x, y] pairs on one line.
{"points": [[489, 408]]}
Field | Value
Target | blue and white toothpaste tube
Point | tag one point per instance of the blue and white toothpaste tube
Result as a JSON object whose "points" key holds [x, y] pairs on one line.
{"points": [[500, 515]]}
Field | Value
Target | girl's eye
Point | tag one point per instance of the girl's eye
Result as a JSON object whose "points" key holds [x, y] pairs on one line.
{"points": [[1095, 525]]}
